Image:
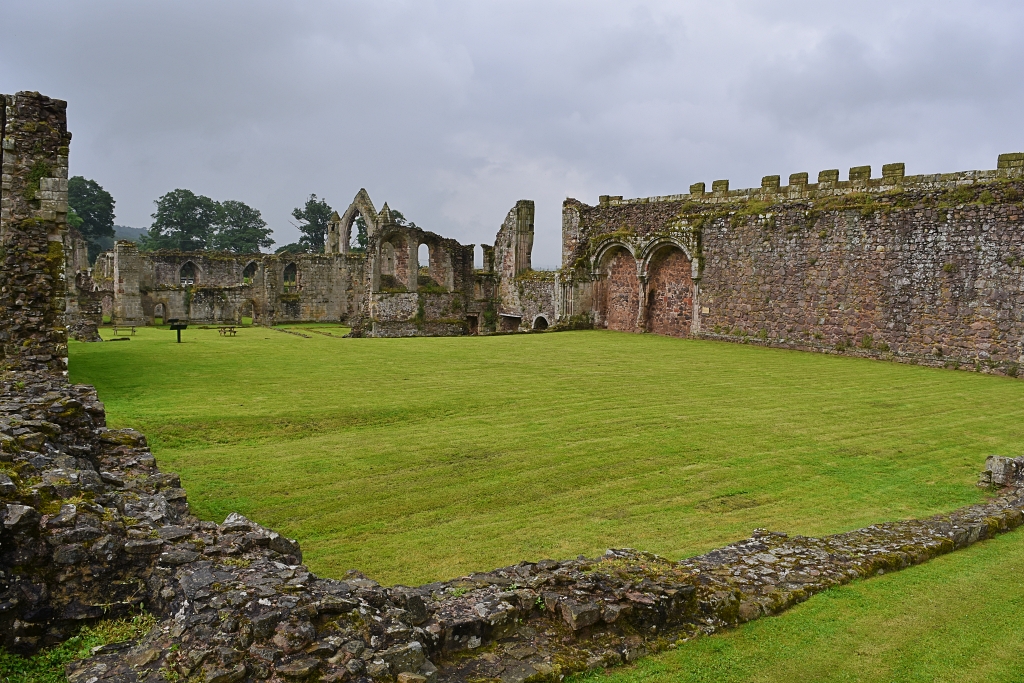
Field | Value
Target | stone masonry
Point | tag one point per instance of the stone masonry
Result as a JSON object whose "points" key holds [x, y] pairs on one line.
{"points": [[33, 217], [90, 527], [923, 269], [385, 292]]}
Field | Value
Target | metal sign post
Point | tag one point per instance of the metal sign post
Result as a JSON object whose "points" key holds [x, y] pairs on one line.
{"points": [[178, 326]]}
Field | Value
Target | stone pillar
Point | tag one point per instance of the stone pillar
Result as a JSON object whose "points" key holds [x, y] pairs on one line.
{"points": [[33, 220], [642, 295], [127, 271], [335, 244], [414, 264], [524, 235]]}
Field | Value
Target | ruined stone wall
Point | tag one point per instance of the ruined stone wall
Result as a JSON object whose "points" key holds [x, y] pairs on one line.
{"points": [[328, 288], [33, 220], [128, 270], [922, 268], [525, 298], [91, 528], [670, 293], [84, 309]]}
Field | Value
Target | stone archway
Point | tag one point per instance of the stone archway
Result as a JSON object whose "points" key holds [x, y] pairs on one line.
{"points": [[620, 290], [669, 292], [339, 235]]}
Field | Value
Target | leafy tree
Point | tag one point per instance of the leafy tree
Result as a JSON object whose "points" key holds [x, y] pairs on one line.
{"points": [[400, 219], [361, 238], [91, 212], [315, 216], [293, 248], [241, 229], [183, 220], [361, 235]]}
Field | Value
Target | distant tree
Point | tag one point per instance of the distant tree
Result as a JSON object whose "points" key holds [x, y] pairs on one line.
{"points": [[293, 248], [91, 212], [400, 219], [183, 220], [240, 228], [315, 216], [361, 238], [361, 235]]}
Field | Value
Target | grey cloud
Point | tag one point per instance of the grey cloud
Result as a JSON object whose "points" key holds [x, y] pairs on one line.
{"points": [[452, 111]]}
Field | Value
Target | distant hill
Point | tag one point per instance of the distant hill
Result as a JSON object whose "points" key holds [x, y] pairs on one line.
{"points": [[122, 232]]}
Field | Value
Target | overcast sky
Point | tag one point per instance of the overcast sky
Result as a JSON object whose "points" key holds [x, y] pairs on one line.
{"points": [[452, 111]]}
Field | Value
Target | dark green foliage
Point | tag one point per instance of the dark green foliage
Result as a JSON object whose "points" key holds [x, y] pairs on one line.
{"points": [[241, 229], [183, 220], [93, 213], [358, 244], [315, 215], [39, 170], [190, 222], [48, 665]]}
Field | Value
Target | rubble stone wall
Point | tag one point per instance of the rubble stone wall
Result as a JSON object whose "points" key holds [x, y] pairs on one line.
{"points": [[328, 288], [33, 220], [924, 269]]}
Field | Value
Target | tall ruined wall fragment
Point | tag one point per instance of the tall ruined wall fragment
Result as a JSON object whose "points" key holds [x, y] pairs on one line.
{"points": [[922, 268], [127, 280], [33, 220]]}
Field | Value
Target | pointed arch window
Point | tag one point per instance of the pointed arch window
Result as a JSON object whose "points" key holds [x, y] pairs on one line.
{"points": [[290, 278], [249, 273], [187, 274]]}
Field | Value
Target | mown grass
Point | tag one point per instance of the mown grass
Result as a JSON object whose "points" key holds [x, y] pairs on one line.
{"points": [[421, 459], [954, 619]]}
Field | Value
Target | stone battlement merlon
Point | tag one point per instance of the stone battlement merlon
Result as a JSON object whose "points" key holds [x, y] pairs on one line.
{"points": [[1009, 167]]}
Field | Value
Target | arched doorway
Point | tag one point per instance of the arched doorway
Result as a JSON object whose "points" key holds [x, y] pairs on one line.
{"points": [[540, 323], [159, 313], [246, 312], [669, 292], [620, 291]]}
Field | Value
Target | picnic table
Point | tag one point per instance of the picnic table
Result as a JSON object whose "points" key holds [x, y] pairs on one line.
{"points": [[227, 330], [116, 327]]}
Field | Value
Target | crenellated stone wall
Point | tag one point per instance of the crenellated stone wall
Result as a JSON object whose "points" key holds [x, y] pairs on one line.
{"points": [[924, 269]]}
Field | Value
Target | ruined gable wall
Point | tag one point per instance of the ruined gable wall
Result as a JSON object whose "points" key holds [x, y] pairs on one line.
{"points": [[33, 219], [924, 268], [521, 292]]}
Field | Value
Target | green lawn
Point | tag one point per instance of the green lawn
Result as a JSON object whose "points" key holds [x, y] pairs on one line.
{"points": [[955, 619], [421, 459]]}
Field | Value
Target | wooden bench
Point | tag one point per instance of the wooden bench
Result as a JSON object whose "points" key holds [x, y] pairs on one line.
{"points": [[227, 331], [116, 327]]}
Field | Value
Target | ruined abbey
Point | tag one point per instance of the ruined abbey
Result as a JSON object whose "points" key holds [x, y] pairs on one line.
{"points": [[923, 268], [383, 292], [90, 528]]}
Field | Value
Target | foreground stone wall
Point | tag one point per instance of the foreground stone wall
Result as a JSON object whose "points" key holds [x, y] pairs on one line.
{"points": [[90, 527], [919, 268]]}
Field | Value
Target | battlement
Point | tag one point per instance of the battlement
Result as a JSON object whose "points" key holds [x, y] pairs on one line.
{"points": [[894, 179]]}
